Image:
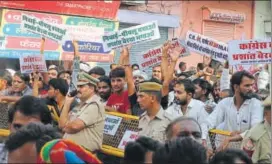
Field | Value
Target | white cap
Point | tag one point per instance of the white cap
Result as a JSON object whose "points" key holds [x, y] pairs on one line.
{"points": [[140, 73]]}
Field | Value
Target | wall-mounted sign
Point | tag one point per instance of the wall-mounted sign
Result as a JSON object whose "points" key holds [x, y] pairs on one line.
{"points": [[228, 16]]}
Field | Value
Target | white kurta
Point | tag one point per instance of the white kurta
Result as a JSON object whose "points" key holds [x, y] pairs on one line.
{"points": [[249, 114], [195, 109]]}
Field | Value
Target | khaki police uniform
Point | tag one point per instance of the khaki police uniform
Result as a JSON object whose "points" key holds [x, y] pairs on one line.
{"points": [[156, 127], [92, 113], [258, 140]]}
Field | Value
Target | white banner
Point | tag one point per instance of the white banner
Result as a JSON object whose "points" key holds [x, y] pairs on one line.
{"points": [[207, 46], [152, 57], [31, 63], [249, 52], [44, 28], [127, 137], [133, 35], [111, 124]]}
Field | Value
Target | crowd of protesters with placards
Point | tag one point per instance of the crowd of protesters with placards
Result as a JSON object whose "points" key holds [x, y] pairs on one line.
{"points": [[58, 116]]}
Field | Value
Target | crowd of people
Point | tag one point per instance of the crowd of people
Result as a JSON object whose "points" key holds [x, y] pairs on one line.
{"points": [[51, 122]]}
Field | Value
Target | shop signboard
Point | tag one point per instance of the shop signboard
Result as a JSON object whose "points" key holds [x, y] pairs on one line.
{"points": [[22, 42], [97, 9]]}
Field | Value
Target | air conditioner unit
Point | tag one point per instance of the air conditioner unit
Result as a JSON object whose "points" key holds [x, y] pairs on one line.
{"points": [[133, 2]]}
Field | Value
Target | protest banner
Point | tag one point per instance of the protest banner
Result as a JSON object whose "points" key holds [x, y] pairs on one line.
{"points": [[32, 62], [128, 136], [207, 46], [42, 27], [152, 57], [249, 52], [184, 51], [111, 124], [133, 35]]}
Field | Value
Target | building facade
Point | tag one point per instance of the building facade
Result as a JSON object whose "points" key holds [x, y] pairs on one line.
{"points": [[209, 18], [263, 16]]}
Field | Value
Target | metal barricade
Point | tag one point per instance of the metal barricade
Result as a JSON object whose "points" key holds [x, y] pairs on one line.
{"points": [[4, 107], [217, 137], [110, 143]]}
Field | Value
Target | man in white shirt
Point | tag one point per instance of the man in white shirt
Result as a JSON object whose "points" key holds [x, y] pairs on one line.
{"points": [[184, 104], [238, 113]]}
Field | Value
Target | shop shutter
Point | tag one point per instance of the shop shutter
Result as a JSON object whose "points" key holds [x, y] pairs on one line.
{"points": [[220, 31], [138, 48]]}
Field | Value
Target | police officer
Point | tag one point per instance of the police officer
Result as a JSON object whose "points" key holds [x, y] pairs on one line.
{"points": [[84, 124], [257, 141], [154, 120]]}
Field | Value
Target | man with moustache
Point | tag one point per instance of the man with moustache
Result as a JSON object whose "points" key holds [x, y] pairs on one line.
{"points": [[184, 104], [104, 89], [84, 125], [238, 113]]}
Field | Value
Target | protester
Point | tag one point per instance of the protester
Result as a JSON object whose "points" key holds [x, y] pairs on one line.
{"points": [[231, 156], [133, 82], [135, 67], [182, 67], [38, 85], [216, 92], [24, 145], [28, 109], [104, 89], [58, 89], [97, 72], [140, 151], [5, 80], [138, 77], [199, 67], [181, 151], [185, 105], [154, 120], [257, 141], [66, 75], [19, 88], [84, 124], [157, 72], [238, 113], [202, 92], [133, 87], [184, 127], [118, 101], [52, 72], [65, 151]]}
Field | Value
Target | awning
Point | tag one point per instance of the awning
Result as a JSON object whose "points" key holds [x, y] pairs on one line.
{"points": [[222, 15]]}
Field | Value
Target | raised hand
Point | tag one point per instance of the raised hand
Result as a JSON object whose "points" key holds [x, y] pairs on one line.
{"points": [[165, 49], [175, 53], [75, 44]]}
